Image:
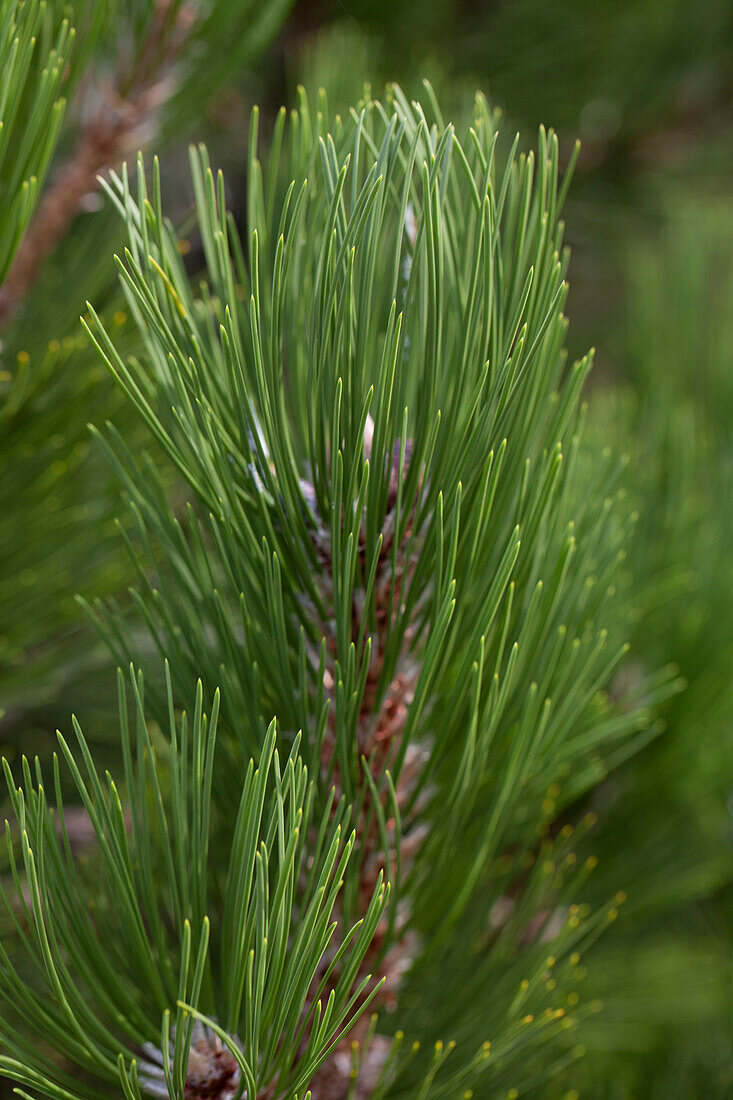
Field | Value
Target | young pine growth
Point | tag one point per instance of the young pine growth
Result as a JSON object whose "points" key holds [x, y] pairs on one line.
{"points": [[389, 542]]}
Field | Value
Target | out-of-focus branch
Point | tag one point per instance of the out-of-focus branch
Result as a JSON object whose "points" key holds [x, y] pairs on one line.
{"points": [[125, 111]]}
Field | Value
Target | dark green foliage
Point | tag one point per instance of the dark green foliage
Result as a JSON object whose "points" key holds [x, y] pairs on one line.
{"points": [[32, 58], [478, 564], [102, 977], [132, 72], [371, 503]]}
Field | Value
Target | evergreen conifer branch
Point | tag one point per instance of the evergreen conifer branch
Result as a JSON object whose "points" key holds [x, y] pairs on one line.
{"points": [[162, 50], [259, 381], [33, 54], [177, 928], [394, 545], [51, 384], [371, 507]]}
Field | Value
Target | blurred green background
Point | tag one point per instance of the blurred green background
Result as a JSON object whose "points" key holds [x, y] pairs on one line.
{"points": [[648, 87]]}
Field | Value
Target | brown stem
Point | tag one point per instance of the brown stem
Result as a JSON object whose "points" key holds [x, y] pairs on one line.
{"points": [[379, 730]]}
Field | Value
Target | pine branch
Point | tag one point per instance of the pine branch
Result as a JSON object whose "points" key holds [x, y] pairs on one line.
{"points": [[113, 127], [58, 502], [176, 46], [102, 976], [396, 544], [30, 113]]}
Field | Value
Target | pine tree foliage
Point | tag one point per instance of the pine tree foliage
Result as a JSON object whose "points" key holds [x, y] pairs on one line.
{"points": [[302, 342], [132, 73], [32, 59], [115, 930], [395, 543], [146, 951], [35, 50], [152, 63]]}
